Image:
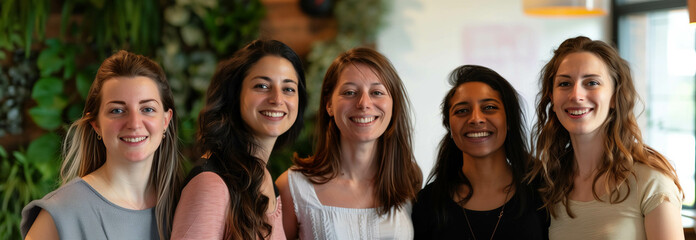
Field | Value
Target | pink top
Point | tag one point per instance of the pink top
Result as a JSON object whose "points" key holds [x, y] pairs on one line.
{"points": [[203, 206]]}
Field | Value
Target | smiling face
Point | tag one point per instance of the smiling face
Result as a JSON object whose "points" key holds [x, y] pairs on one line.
{"points": [[360, 104], [477, 120], [582, 93], [269, 97], [131, 119]]}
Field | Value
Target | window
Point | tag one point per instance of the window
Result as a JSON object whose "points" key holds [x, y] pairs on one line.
{"points": [[656, 39]]}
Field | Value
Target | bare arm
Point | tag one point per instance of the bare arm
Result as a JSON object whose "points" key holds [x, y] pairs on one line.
{"points": [[664, 222], [202, 210], [43, 227], [289, 217]]}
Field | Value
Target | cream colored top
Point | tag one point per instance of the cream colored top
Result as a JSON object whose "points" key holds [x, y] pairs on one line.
{"points": [[602, 220]]}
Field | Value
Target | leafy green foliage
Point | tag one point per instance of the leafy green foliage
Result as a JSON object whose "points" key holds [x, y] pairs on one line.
{"points": [[188, 42], [27, 176], [20, 21]]}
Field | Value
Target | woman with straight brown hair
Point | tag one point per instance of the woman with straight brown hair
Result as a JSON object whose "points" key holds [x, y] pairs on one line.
{"points": [[363, 177], [599, 180], [121, 168]]}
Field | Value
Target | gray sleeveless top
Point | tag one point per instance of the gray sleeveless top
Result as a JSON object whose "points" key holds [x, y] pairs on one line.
{"points": [[80, 212]]}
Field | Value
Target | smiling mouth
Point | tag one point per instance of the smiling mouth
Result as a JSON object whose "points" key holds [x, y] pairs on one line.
{"points": [[478, 134], [578, 112], [133, 140], [272, 114], [363, 119]]}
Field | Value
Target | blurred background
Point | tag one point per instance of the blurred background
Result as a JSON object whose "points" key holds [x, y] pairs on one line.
{"points": [[50, 50]]}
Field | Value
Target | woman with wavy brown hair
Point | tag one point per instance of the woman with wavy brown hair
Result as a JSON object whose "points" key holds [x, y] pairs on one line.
{"points": [[254, 104], [121, 163], [363, 176], [600, 181]]}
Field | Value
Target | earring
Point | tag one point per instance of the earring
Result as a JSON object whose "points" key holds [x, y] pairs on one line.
{"points": [[98, 137], [164, 134]]}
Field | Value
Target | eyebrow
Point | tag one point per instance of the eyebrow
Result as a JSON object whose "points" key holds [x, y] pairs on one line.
{"points": [[583, 76], [141, 101], [268, 79], [481, 101], [355, 84]]}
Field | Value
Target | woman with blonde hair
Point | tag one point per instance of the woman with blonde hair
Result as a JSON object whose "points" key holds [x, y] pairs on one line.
{"points": [[121, 168], [599, 180], [363, 177]]}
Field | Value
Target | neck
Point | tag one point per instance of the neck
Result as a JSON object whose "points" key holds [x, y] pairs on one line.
{"points": [[358, 159], [126, 181], [487, 173], [265, 146], [588, 151]]}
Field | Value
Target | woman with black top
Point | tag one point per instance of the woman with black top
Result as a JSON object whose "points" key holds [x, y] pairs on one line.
{"points": [[476, 189]]}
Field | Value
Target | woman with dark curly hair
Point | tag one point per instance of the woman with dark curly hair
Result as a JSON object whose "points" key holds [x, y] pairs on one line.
{"points": [[254, 103], [599, 180], [476, 188]]}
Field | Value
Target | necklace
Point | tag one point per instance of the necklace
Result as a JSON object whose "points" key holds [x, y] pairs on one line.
{"points": [[500, 216]]}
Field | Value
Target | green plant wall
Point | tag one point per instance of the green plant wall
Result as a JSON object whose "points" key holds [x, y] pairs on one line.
{"points": [[44, 79]]}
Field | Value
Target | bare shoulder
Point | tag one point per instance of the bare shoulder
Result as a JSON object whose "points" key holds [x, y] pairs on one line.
{"points": [[283, 182], [43, 227]]}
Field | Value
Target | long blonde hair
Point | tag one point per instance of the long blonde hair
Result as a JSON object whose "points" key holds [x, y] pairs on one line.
{"points": [[623, 145], [83, 153]]}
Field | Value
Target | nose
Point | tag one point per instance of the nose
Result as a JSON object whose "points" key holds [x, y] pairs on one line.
{"points": [[578, 93], [276, 96], [134, 120], [476, 117], [364, 101]]}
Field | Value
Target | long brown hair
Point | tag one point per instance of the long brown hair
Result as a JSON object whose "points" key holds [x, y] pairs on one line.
{"points": [[83, 153], [623, 145], [230, 142], [398, 177]]}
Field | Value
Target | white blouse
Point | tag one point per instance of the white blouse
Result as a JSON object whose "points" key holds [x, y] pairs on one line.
{"points": [[317, 221]]}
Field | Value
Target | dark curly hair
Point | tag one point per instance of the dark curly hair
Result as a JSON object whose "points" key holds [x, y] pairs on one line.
{"points": [[230, 142]]}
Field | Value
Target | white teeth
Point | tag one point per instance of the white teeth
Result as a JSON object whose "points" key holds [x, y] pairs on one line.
{"points": [[363, 119], [578, 112], [273, 114], [138, 139], [478, 134]]}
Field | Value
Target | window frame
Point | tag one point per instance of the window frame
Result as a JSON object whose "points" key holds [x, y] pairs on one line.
{"points": [[619, 10]]}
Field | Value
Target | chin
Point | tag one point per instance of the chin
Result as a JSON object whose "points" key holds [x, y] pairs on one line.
{"points": [[138, 157]]}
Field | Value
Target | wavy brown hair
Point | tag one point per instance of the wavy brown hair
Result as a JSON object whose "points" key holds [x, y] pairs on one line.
{"points": [[231, 144], [83, 153], [398, 177], [623, 145]]}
